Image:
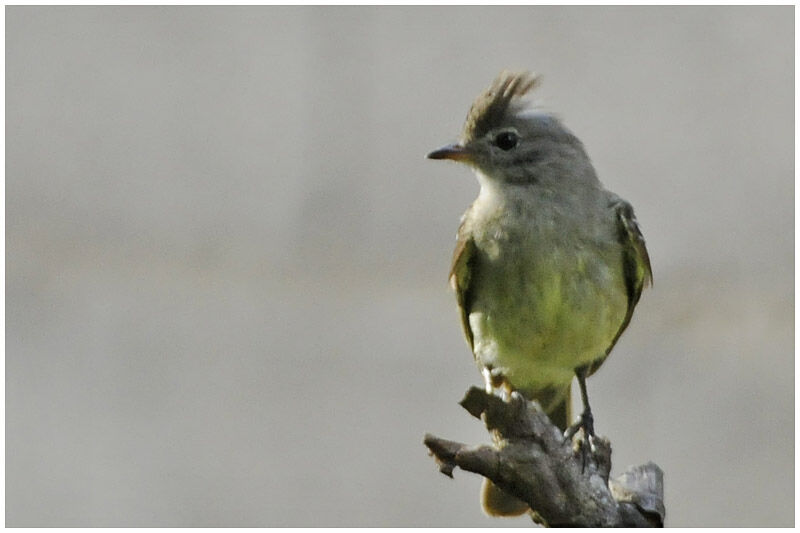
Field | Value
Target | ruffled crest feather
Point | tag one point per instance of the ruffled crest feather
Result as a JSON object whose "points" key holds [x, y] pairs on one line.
{"points": [[492, 106]]}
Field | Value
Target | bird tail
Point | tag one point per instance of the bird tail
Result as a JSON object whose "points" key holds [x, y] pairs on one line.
{"points": [[557, 406]]}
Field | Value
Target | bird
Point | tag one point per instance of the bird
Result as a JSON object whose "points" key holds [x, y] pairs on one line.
{"points": [[548, 266]]}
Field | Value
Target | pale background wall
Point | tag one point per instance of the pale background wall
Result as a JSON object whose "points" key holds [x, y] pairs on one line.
{"points": [[226, 256]]}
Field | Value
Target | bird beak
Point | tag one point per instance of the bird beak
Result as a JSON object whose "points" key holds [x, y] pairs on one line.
{"points": [[455, 152]]}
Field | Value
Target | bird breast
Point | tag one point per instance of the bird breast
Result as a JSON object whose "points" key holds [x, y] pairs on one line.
{"points": [[547, 290]]}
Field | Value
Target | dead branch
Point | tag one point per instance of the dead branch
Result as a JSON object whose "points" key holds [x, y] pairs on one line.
{"points": [[532, 460]]}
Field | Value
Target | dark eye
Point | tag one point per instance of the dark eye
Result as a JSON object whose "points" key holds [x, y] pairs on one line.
{"points": [[506, 140]]}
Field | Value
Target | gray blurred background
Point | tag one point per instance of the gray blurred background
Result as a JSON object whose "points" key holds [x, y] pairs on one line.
{"points": [[226, 256]]}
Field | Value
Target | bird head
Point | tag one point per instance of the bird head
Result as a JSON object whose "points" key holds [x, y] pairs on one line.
{"points": [[508, 141]]}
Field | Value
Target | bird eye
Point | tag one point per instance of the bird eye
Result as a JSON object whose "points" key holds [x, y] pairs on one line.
{"points": [[506, 140]]}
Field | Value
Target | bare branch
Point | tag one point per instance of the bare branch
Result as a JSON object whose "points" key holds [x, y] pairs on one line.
{"points": [[532, 460]]}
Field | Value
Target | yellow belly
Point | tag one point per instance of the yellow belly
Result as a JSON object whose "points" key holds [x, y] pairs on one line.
{"points": [[535, 321]]}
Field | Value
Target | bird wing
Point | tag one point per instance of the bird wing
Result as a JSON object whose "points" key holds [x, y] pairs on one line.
{"points": [[460, 274], [636, 261], [636, 270]]}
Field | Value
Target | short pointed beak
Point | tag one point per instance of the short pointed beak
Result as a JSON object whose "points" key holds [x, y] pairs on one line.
{"points": [[455, 152]]}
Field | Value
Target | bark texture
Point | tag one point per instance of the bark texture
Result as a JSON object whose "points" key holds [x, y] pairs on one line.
{"points": [[534, 461]]}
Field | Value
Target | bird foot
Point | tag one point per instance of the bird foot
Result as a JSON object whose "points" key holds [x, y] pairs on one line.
{"points": [[586, 444]]}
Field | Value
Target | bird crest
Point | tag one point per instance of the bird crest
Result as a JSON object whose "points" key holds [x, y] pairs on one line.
{"points": [[491, 107]]}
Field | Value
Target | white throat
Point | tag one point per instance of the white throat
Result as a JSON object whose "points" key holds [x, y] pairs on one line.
{"points": [[492, 191]]}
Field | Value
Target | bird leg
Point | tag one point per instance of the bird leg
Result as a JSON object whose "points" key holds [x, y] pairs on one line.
{"points": [[586, 421]]}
